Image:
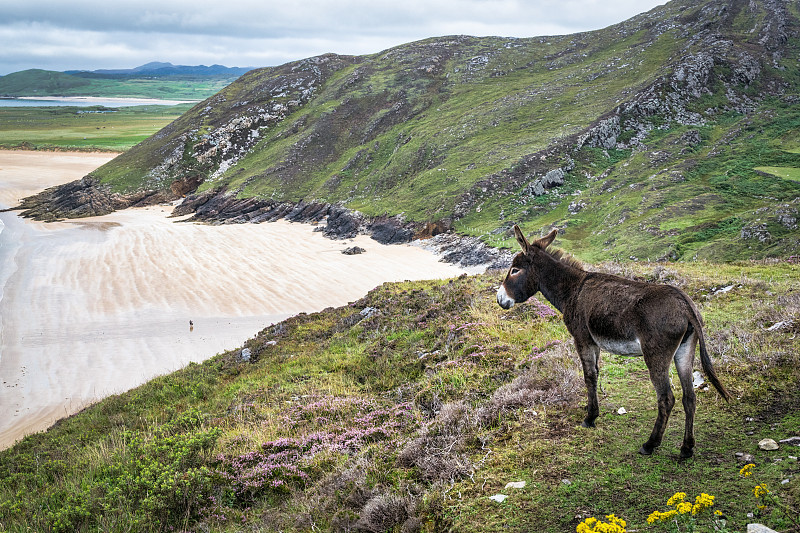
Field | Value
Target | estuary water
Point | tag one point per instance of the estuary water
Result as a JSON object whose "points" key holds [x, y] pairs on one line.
{"points": [[85, 101]]}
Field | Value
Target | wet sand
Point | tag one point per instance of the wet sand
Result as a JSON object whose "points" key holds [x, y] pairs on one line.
{"points": [[97, 306]]}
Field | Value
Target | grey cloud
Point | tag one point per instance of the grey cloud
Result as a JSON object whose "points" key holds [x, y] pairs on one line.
{"points": [[125, 33]]}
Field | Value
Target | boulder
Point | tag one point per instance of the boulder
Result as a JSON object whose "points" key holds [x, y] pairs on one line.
{"points": [[353, 250], [768, 444]]}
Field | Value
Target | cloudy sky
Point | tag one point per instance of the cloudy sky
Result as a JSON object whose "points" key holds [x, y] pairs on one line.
{"points": [[92, 34]]}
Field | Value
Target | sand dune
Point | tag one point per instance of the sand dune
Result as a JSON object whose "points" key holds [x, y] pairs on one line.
{"points": [[97, 306]]}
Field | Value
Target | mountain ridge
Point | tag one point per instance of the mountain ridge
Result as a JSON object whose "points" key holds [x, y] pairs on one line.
{"points": [[160, 69], [474, 134]]}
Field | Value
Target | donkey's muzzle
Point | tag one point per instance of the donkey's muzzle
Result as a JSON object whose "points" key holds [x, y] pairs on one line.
{"points": [[503, 300]]}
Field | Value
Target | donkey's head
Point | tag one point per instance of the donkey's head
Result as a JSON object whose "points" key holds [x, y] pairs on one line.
{"points": [[521, 281]]}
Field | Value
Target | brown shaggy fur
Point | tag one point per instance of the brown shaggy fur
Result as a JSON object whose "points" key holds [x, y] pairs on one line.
{"points": [[621, 316]]}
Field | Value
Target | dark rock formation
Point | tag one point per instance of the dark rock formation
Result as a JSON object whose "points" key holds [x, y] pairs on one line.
{"points": [[353, 250], [86, 197]]}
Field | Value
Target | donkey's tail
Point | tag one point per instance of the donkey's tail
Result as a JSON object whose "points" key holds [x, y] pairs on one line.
{"points": [[705, 360], [708, 368]]}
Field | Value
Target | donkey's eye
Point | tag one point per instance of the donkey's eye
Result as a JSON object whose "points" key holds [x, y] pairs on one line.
{"points": [[514, 271]]}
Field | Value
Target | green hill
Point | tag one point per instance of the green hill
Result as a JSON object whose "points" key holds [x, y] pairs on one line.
{"points": [[37, 82], [184, 86], [643, 140]]}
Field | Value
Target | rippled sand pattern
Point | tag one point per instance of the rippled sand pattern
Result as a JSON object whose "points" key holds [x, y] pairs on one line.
{"points": [[97, 306]]}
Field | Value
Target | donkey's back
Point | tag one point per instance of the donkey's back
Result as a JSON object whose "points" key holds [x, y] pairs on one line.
{"points": [[621, 315]]}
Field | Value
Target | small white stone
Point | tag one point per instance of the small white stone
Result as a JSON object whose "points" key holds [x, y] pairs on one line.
{"points": [[515, 485], [499, 498], [621, 411], [767, 444], [785, 482]]}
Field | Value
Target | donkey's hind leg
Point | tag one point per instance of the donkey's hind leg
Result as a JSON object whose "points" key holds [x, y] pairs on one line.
{"points": [[659, 375], [684, 362], [590, 360]]}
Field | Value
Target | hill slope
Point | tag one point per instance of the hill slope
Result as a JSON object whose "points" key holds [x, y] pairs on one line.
{"points": [[671, 135], [38, 82], [408, 409]]}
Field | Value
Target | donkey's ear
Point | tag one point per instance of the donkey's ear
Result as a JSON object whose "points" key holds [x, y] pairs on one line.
{"points": [[545, 241], [523, 242]]}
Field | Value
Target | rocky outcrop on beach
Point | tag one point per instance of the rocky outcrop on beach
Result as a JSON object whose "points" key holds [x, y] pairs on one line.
{"points": [[86, 197], [339, 222], [333, 220]]}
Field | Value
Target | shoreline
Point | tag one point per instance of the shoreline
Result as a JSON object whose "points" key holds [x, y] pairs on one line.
{"points": [[98, 305], [93, 100]]}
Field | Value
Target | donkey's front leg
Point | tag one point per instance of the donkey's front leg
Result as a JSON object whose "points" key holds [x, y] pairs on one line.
{"points": [[590, 360]]}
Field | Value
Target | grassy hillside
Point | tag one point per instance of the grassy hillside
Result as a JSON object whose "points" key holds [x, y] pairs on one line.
{"points": [[668, 136], [408, 409], [37, 82], [77, 128]]}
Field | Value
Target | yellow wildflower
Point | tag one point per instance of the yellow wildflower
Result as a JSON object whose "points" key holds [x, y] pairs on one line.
{"points": [[677, 498], [761, 490], [587, 526], [684, 507], [702, 502], [616, 521], [746, 470], [659, 516], [717, 513], [593, 525]]}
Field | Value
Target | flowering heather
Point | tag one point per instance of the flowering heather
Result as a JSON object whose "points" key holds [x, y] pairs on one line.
{"points": [[345, 426], [538, 351], [542, 310]]}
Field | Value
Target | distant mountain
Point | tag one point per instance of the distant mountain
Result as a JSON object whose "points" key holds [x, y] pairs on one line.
{"points": [[159, 69], [672, 135]]}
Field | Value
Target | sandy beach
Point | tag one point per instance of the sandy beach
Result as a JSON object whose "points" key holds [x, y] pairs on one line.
{"points": [[96, 306]]}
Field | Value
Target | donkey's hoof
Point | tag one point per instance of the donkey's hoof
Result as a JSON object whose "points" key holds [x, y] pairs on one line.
{"points": [[588, 423], [686, 453], [644, 450]]}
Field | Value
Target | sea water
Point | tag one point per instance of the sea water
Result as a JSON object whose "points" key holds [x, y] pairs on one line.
{"points": [[85, 102]]}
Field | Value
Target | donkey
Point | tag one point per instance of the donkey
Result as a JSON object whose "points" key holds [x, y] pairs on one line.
{"points": [[619, 316]]}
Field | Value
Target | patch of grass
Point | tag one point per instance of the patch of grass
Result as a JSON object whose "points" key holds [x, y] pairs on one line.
{"points": [[79, 128], [788, 173], [412, 414]]}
